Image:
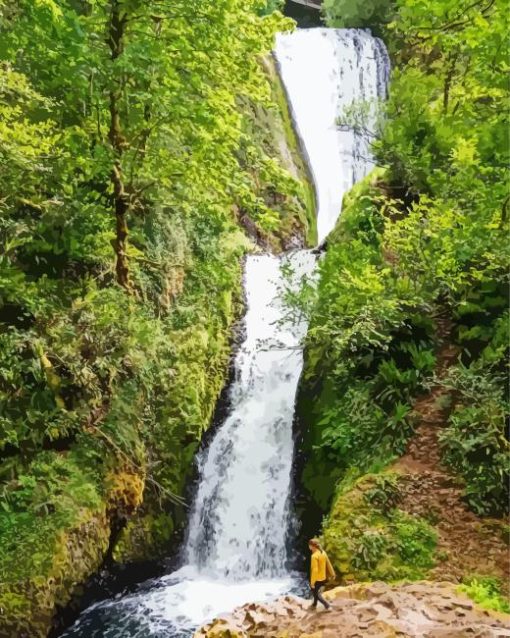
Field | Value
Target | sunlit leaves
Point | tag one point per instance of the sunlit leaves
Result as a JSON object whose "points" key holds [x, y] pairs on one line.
{"points": [[183, 68], [435, 243]]}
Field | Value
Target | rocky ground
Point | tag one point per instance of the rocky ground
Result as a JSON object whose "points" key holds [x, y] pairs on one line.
{"points": [[414, 610]]}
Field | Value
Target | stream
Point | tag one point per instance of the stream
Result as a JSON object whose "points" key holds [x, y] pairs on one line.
{"points": [[236, 546]]}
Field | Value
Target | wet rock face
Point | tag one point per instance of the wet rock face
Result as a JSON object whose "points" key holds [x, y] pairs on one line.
{"points": [[417, 610]]}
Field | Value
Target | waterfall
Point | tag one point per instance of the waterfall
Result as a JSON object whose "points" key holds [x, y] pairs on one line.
{"points": [[238, 524], [235, 549], [324, 72]]}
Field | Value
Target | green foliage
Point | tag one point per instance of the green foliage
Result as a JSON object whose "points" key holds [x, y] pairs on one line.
{"points": [[357, 13], [385, 494], [475, 440], [276, 192], [268, 6], [416, 541], [43, 557], [143, 535], [424, 237], [404, 550], [156, 122], [73, 345], [486, 592], [51, 494], [369, 349]]}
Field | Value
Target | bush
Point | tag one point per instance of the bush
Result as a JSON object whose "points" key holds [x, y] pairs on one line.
{"points": [[486, 592], [108, 382], [419, 258], [368, 352], [475, 442]]}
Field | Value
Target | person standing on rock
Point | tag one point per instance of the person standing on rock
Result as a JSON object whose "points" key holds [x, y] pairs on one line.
{"points": [[321, 570]]}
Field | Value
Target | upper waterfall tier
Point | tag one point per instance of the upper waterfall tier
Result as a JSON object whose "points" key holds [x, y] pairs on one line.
{"points": [[324, 71]]}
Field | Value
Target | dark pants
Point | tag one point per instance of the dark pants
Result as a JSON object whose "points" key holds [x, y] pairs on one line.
{"points": [[317, 594]]}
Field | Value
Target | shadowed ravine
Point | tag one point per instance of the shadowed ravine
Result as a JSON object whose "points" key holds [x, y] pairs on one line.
{"points": [[236, 545]]}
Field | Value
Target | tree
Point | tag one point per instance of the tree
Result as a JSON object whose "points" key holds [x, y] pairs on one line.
{"points": [[358, 13]]}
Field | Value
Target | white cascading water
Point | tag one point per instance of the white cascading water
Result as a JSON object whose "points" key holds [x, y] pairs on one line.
{"points": [[235, 550], [238, 524], [324, 72]]}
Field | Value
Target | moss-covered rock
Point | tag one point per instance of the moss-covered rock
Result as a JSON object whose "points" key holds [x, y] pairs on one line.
{"points": [[145, 535], [63, 512], [280, 180], [28, 598], [368, 537]]}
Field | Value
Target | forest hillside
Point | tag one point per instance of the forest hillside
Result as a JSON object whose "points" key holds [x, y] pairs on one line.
{"points": [[404, 400], [144, 149]]}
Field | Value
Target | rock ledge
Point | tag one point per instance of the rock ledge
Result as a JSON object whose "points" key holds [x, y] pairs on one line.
{"points": [[414, 610]]}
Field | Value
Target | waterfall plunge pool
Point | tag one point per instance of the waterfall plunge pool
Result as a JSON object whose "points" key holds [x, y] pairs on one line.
{"points": [[175, 605]]}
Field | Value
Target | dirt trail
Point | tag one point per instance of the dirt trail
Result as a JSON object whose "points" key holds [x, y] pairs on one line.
{"points": [[467, 544], [424, 610]]}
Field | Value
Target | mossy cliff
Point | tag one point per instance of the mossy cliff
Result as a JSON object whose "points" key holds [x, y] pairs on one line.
{"points": [[106, 392], [387, 384]]}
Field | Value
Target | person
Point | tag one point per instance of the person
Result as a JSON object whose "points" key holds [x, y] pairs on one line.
{"points": [[321, 570]]}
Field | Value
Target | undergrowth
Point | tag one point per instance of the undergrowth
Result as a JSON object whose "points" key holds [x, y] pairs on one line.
{"points": [[109, 379], [486, 592]]}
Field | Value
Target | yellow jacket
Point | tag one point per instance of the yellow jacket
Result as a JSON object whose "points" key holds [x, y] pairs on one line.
{"points": [[321, 567]]}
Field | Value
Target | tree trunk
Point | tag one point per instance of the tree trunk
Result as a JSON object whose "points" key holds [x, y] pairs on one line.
{"points": [[121, 204], [452, 61], [121, 199]]}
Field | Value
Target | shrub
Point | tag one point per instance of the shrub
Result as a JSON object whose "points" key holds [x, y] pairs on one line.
{"points": [[368, 537], [486, 592]]}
